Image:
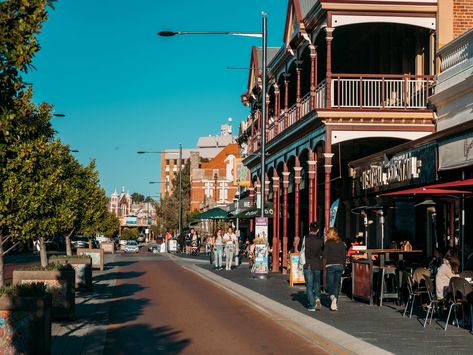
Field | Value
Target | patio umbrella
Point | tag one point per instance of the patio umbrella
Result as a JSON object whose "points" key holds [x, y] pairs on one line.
{"points": [[213, 213]]}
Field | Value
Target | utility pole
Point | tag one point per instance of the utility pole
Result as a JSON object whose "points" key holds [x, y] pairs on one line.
{"points": [[180, 189]]}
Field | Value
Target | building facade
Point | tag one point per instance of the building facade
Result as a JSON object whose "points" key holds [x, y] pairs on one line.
{"points": [[130, 214], [351, 79]]}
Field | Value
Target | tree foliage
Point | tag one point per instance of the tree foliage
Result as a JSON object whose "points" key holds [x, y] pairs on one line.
{"points": [[130, 233]]}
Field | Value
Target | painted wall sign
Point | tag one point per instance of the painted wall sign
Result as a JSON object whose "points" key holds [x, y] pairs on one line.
{"points": [[457, 153]]}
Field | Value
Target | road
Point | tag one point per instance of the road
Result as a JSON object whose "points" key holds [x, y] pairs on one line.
{"points": [[160, 307]]}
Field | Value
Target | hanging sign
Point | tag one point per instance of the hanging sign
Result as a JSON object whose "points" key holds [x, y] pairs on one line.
{"points": [[333, 212]]}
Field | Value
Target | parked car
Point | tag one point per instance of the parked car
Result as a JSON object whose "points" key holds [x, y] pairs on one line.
{"points": [[132, 247], [82, 241], [153, 248]]}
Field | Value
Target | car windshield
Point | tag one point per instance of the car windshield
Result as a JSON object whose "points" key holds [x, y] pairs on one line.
{"points": [[132, 242]]}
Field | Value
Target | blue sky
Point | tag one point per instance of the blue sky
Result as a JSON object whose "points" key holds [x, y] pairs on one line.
{"points": [[125, 89]]}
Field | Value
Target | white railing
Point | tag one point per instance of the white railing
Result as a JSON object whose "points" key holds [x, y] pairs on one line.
{"points": [[291, 115], [380, 92], [321, 94], [305, 105]]}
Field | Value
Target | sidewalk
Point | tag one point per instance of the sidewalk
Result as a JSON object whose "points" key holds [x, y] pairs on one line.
{"points": [[379, 327], [86, 335]]}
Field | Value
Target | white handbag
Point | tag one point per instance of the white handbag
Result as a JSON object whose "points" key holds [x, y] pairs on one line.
{"points": [[301, 263]]}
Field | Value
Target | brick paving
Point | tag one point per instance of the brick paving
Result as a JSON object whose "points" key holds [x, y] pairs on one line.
{"points": [[381, 326]]}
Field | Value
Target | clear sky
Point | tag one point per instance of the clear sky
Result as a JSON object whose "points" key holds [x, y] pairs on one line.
{"points": [[124, 89]]}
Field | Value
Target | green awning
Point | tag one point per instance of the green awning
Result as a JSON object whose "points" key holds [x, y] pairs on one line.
{"points": [[213, 213], [253, 212]]}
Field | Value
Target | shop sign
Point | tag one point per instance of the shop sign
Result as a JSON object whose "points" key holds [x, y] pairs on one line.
{"points": [[457, 153], [399, 169]]}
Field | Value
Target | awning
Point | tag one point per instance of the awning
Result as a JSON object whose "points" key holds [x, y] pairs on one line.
{"points": [[213, 213], [253, 212], [425, 191], [457, 183]]}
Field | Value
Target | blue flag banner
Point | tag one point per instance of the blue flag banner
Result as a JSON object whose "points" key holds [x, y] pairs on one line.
{"points": [[333, 212]]}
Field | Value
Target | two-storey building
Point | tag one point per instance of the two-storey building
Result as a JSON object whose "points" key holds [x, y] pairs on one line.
{"points": [[352, 78]]}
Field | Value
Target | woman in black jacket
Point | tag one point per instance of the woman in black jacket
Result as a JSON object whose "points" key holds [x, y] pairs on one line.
{"points": [[334, 254], [313, 266]]}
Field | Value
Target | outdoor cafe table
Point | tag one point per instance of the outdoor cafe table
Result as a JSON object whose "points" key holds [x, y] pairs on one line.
{"points": [[363, 271], [385, 253]]}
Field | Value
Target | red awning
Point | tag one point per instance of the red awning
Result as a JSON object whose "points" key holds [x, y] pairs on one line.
{"points": [[425, 191], [457, 183]]}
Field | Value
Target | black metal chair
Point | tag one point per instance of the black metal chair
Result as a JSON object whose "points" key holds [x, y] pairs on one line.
{"points": [[459, 288], [413, 293], [433, 306]]}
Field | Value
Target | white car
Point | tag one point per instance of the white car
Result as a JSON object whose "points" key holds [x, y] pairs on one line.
{"points": [[132, 247]]}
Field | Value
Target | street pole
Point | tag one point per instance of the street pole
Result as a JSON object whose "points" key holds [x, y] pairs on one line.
{"points": [[263, 112], [180, 189]]}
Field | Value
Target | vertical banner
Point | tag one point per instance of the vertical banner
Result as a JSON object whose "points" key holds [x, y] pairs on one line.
{"points": [[260, 266], [333, 212]]}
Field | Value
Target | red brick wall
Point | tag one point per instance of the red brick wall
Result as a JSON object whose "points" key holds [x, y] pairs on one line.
{"points": [[462, 16]]}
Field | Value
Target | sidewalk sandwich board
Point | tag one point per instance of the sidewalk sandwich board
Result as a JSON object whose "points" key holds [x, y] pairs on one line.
{"points": [[296, 275]]}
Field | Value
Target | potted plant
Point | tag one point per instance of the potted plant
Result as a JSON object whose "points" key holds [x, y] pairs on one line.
{"points": [[82, 265], [25, 319], [60, 283]]}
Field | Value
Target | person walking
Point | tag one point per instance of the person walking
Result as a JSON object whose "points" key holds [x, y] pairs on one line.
{"points": [[218, 250], [334, 256], [313, 266], [230, 240]]}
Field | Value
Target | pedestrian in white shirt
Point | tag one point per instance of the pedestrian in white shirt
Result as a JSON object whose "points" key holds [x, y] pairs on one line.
{"points": [[230, 240]]}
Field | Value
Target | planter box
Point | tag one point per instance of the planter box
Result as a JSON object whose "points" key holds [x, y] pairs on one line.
{"points": [[95, 254], [25, 325], [60, 284], [108, 247], [83, 269]]}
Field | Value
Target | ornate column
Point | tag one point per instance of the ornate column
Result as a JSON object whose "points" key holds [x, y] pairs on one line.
{"points": [[298, 89], [275, 266], [252, 202], [266, 119], [252, 144], [313, 75], [266, 187], [311, 173], [276, 108], [297, 182], [316, 189], [285, 185], [328, 103], [286, 99], [328, 170]]}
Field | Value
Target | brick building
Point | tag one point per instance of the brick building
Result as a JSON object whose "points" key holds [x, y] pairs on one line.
{"points": [[213, 182]]}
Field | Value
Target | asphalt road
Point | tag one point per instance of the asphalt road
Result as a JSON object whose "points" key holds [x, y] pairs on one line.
{"points": [[161, 308]]}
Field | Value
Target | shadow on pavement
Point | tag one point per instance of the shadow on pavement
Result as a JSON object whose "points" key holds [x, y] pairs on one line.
{"points": [[118, 263], [163, 340], [118, 276], [300, 297]]}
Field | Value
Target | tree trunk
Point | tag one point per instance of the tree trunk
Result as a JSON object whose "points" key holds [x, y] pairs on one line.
{"points": [[1, 259], [68, 244], [42, 252]]}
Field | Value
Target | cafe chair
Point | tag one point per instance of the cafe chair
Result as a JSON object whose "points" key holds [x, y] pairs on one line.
{"points": [[389, 283], [413, 293], [433, 305], [459, 288], [466, 274]]}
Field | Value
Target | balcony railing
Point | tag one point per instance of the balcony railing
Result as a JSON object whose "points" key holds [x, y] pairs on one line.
{"points": [[358, 92], [380, 92]]}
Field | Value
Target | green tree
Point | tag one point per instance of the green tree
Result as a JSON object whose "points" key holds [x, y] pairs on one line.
{"points": [[136, 197], [130, 233]]}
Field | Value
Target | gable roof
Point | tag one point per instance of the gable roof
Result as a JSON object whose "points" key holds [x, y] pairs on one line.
{"points": [[297, 10], [256, 62]]}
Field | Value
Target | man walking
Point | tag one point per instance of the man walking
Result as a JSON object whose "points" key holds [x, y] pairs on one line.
{"points": [[313, 266]]}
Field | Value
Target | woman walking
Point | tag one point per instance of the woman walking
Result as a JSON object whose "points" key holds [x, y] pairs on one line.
{"points": [[313, 245], [218, 250], [230, 240], [334, 255]]}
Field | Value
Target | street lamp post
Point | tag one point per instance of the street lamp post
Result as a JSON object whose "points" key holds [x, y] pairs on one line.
{"points": [[264, 36], [180, 180]]}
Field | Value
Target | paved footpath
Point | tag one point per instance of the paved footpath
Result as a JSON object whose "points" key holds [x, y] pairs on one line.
{"points": [[381, 327], [163, 304]]}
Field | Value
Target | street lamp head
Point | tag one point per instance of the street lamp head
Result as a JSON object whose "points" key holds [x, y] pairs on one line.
{"points": [[140, 152], [59, 115], [167, 33]]}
